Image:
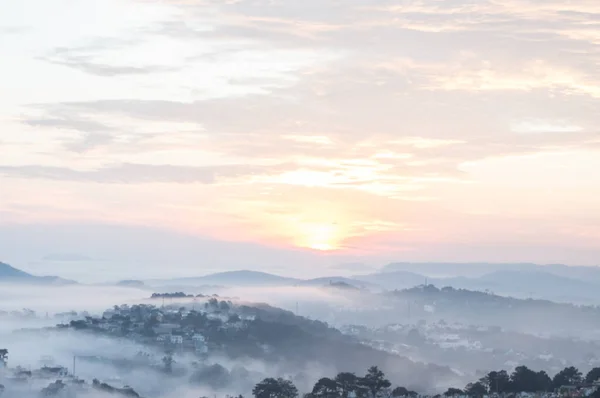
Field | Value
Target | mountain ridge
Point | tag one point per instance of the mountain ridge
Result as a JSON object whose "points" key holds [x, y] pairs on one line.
{"points": [[12, 274]]}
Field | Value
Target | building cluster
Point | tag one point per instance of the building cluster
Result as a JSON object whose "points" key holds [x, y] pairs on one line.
{"points": [[176, 328]]}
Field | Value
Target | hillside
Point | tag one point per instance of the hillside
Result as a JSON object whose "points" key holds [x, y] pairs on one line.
{"points": [[572, 284], [476, 270], [8, 272], [481, 308], [265, 334], [14, 275], [236, 278], [519, 280], [393, 280], [326, 281], [245, 278]]}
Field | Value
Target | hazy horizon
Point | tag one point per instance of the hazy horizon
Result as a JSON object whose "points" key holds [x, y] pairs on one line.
{"points": [[106, 253]]}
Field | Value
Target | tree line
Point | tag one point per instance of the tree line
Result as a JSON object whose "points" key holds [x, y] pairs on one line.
{"points": [[344, 385], [375, 385], [523, 379]]}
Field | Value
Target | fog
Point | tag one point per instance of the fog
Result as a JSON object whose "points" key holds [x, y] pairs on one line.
{"points": [[28, 331], [424, 337], [53, 299], [32, 343]]}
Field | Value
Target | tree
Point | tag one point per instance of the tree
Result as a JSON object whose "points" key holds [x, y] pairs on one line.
{"points": [[3, 356], [400, 392], [592, 376], [347, 382], [524, 379], [53, 389], [224, 306], [452, 392], [326, 388], [567, 377], [403, 392], [476, 389], [374, 381], [544, 382], [497, 382], [275, 388], [212, 304], [168, 362]]}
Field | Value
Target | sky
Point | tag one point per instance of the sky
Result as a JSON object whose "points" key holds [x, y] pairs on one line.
{"points": [[297, 135]]}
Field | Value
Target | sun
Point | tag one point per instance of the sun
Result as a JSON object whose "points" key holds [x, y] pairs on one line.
{"points": [[322, 237], [325, 247]]}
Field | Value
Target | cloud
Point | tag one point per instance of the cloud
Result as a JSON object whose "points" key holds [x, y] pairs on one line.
{"points": [[80, 58], [544, 126], [276, 107], [129, 173]]}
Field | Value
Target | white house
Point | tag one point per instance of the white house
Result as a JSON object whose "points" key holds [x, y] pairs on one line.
{"points": [[198, 338], [177, 339]]}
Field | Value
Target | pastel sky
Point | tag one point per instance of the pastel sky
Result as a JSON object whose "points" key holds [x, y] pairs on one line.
{"points": [[323, 131]]}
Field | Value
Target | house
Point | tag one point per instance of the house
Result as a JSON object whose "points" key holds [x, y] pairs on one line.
{"points": [[165, 328], [198, 339], [177, 340], [162, 338]]}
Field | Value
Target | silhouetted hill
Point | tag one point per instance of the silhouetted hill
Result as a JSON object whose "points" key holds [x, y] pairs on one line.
{"points": [[531, 284], [14, 275], [475, 270], [256, 278], [553, 282], [131, 283], [326, 281], [238, 278], [482, 308], [6, 271], [446, 270], [393, 280]]}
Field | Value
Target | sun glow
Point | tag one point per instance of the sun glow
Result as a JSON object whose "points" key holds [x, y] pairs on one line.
{"points": [[323, 237]]}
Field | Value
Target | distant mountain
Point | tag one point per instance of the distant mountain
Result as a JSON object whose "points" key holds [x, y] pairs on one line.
{"points": [[325, 281], [6, 271], [558, 283], [587, 274], [237, 278], [131, 283], [474, 270], [530, 284], [393, 280], [342, 286], [446, 270], [481, 308], [551, 282], [257, 278], [11, 274]]}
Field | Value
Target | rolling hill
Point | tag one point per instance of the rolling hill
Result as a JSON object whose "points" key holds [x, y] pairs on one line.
{"points": [[14, 275], [246, 278], [234, 278]]}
